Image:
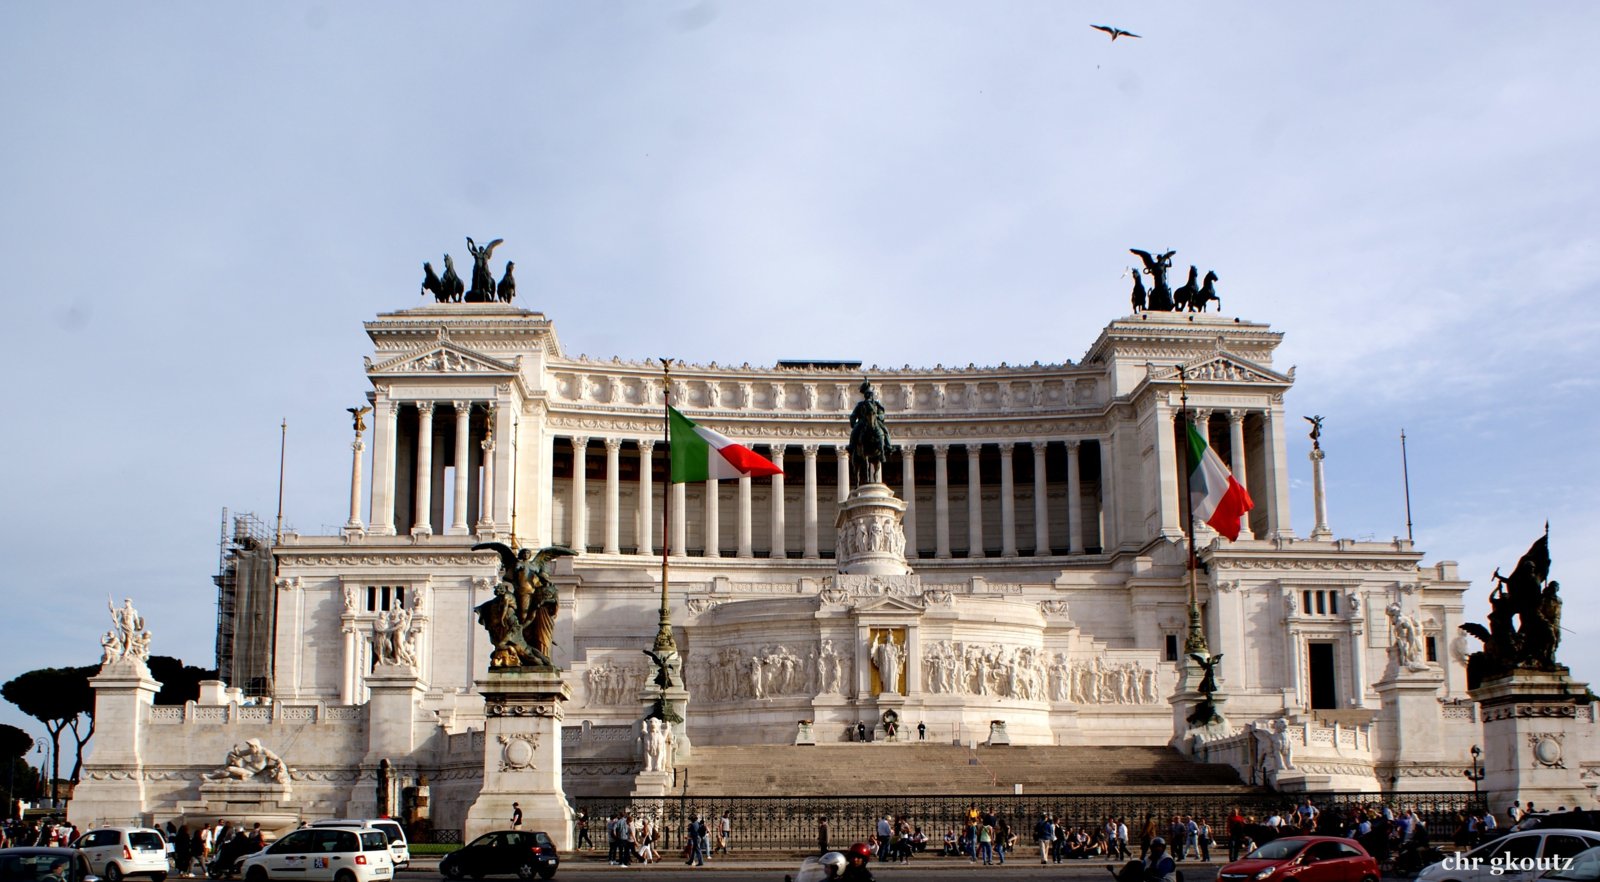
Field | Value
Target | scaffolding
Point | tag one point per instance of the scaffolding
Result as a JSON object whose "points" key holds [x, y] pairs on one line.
{"points": [[246, 603]]}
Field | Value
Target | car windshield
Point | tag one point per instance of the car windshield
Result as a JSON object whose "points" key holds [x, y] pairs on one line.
{"points": [[374, 841], [1277, 850], [1584, 867]]}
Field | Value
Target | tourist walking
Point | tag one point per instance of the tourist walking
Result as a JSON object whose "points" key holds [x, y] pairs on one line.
{"points": [[696, 847], [822, 835], [724, 832], [1203, 837], [583, 831], [516, 816], [986, 844]]}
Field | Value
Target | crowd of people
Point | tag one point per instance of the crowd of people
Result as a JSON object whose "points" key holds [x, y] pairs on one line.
{"points": [[631, 839], [51, 832]]}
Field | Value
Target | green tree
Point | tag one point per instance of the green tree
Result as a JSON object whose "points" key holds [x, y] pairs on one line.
{"points": [[14, 746], [62, 700], [179, 682]]}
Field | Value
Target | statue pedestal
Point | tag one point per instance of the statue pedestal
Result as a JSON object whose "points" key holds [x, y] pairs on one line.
{"points": [[998, 737], [1413, 721], [522, 754], [651, 785], [113, 788], [270, 804], [394, 735], [803, 734], [1537, 728], [871, 541], [677, 698], [1188, 738]]}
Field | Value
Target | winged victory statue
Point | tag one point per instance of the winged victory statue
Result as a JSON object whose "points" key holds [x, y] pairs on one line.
{"points": [[521, 617]]}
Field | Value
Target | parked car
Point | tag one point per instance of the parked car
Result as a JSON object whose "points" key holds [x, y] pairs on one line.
{"points": [[324, 854], [39, 864], [1585, 867], [525, 853], [399, 846], [1516, 857], [1304, 859], [116, 852]]}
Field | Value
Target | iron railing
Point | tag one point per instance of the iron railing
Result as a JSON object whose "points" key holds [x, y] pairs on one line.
{"points": [[789, 823]]}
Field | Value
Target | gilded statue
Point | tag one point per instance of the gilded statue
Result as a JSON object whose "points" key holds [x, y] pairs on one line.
{"points": [[521, 617]]}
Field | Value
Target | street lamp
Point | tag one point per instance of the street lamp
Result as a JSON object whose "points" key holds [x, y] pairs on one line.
{"points": [[1476, 773]]}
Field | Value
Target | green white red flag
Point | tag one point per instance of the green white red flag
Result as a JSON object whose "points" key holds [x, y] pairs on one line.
{"points": [[1215, 496], [700, 454]]}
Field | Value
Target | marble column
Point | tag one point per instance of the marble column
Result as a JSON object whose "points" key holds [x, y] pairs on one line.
{"points": [[1167, 475], [486, 502], [842, 458], [613, 543], [1275, 492], [579, 517], [422, 525], [745, 549], [810, 512], [941, 500], [1074, 499], [458, 517], [384, 435], [908, 492], [974, 500], [1041, 501], [1319, 496], [646, 492], [713, 533], [354, 524], [1236, 454], [775, 453], [1108, 496], [1008, 502], [680, 519]]}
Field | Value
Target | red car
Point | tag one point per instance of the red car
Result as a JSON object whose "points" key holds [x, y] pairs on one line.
{"points": [[1304, 859]]}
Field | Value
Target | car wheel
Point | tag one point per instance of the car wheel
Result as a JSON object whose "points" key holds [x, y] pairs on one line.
{"points": [[113, 873], [453, 870], [344, 876], [256, 874], [546, 872], [1369, 879], [158, 877], [525, 870]]}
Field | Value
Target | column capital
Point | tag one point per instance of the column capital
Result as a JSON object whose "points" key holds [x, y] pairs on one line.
{"points": [[392, 407], [974, 448], [425, 407], [1236, 415], [941, 450], [1007, 447], [463, 408], [1073, 444], [842, 450], [775, 453], [1040, 446], [612, 444], [580, 441], [810, 450], [647, 447], [1202, 414]]}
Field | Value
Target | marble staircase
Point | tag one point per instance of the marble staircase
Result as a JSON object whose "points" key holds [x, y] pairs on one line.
{"points": [[947, 769]]}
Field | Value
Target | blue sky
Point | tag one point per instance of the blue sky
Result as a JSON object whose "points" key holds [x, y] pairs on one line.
{"points": [[202, 202]]}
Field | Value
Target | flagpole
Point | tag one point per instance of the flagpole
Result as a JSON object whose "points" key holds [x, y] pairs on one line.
{"points": [[664, 642], [1196, 641], [1405, 472]]}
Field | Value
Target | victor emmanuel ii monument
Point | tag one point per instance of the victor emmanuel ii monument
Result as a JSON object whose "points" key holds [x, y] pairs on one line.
{"points": [[994, 552]]}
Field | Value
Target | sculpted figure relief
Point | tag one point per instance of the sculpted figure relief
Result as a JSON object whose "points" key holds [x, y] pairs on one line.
{"points": [[127, 640], [887, 657], [394, 639], [521, 617], [250, 761], [1409, 651]]}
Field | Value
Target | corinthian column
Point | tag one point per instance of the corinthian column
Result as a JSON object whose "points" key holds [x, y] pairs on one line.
{"points": [[1168, 470], [613, 496], [580, 491], [458, 518], [843, 459], [646, 492], [486, 508], [1008, 502], [810, 500], [354, 524], [422, 525], [680, 518], [1236, 454], [776, 455], [713, 520], [384, 436], [941, 500], [1041, 501], [974, 501], [908, 490], [1074, 499], [745, 549]]}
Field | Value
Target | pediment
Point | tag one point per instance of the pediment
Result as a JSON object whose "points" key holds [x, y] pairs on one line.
{"points": [[1225, 367], [889, 604], [442, 357]]}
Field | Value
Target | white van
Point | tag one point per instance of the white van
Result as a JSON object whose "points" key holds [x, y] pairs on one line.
{"points": [[399, 847]]}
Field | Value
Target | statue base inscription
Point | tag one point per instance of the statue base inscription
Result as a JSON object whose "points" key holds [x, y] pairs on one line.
{"points": [[1537, 726], [522, 754]]}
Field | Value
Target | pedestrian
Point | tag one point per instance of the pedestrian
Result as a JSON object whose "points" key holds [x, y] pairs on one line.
{"points": [[822, 835], [625, 852], [1235, 834], [696, 845], [861, 732], [516, 816], [724, 832], [1203, 837], [611, 839], [986, 844], [885, 831], [1044, 833], [922, 731], [181, 856], [583, 831]]}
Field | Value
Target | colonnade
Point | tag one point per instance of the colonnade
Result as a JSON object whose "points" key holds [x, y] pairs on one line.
{"points": [[410, 482], [1064, 518]]}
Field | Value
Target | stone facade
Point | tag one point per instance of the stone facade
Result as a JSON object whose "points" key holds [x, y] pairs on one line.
{"points": [[1041, 528]]}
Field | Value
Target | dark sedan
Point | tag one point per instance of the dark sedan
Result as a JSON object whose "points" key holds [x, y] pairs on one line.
{"points": [[524, 854], [1304, 859], [44, 865]]}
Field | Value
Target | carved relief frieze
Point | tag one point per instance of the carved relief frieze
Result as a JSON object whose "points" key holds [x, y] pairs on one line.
{"points": [[517, 751]]}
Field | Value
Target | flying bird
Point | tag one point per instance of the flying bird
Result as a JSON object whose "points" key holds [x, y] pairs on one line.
{"points": [[1115, 32]]}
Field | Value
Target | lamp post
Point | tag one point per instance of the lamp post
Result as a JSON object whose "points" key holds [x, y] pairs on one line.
{"points": [[1476, 773]]}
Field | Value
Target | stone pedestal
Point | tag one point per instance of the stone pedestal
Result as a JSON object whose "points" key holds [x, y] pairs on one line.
{"points": [[677, 699], [272, 805], [804, 735], [1412, 720], [1188, 738], [997, 734], [522, 754], [871, 540], [1537, 727], [394, 735], [112, 788], [1300, 782], [651, 785]]}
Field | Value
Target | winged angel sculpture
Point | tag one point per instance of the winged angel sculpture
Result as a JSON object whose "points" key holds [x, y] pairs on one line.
{"points": [[521, 617]]}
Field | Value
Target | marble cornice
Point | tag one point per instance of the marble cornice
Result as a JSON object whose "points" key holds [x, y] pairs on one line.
{"points": [[826, 427]]}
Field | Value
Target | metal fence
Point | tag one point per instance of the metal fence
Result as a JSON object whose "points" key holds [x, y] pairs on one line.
{"points": [[789, 823]]}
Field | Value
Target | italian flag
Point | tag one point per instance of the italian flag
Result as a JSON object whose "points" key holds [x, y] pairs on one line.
{"points": [[699, 454], [1215, 497]]}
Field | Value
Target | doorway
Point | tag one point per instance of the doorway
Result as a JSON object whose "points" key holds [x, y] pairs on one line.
{"points": [[1324, 682]]}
